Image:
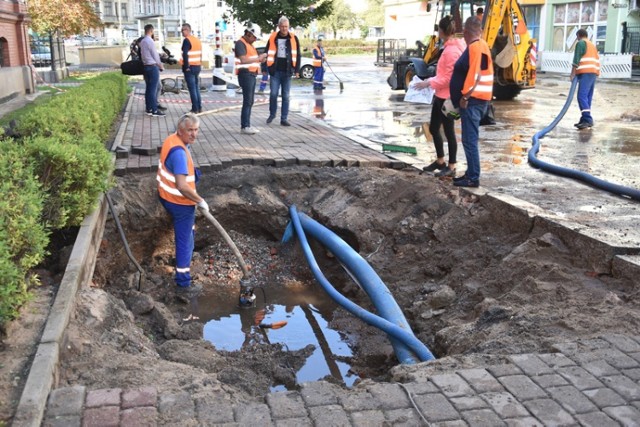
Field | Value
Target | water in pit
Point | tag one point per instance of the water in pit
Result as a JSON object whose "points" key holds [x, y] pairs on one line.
{"points": [[307, 311]]}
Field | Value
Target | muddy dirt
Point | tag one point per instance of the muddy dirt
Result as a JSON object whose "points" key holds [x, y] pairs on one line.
{"points": [[468, 284]]}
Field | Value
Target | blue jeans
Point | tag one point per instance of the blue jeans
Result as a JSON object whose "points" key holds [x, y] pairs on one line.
{"points": [[184, 218], [191, 78], [279, 79], [152, 77], [586, 84], [471, 117], [247, 82]]}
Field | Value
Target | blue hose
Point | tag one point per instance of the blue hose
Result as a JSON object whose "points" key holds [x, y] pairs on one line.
{"points": [[407, 347], [621, 190]]}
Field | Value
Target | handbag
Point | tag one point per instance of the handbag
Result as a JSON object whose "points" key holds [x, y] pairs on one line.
{"points": [[134, 67]]}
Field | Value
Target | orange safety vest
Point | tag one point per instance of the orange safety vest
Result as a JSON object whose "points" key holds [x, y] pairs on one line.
{"points": [[479, 84], [318, 62], [195, 53], [590, 61], [166, 180], [252, 53], [273, 47]]}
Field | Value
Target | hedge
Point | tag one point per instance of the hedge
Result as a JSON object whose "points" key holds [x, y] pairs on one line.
{"points": [[52, 171]]}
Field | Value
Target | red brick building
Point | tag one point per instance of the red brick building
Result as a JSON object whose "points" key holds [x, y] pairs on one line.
{"points": [[16, 78]]}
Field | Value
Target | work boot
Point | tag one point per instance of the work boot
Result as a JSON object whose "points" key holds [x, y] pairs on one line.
{"points": [[187, 293], [161, 107], [433, 166], [270, 119]]}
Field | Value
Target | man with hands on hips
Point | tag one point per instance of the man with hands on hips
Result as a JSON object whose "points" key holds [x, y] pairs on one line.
{"points": [[177, 177]]}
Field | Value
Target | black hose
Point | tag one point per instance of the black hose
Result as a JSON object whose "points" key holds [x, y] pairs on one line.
{"points": [[617, 189], [124, 240]]}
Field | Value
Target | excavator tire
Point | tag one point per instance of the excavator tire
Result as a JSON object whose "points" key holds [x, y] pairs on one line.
{"points": [[505, 92], [408, 76]]}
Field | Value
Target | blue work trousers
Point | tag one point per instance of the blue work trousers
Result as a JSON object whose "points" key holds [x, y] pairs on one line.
{"points": [[318, 77], [471, 117], [184, 219], [152, 78], [279, 80], [586, 84], [191, 78], [247, 82]]}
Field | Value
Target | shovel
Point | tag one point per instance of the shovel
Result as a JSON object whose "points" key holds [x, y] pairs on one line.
{"points": [[227, 239], [334, 74]]}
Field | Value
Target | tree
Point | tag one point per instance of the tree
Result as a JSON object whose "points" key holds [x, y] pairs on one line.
{"points": [[341, 18], [373, 16], [265, 13], [64, 16]]}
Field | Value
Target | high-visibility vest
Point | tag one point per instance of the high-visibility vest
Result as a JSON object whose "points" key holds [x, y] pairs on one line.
{"points": [[273, 48], [252, 53], [318, 51], [481, 79], [590, 61], [195, 53], [167, 188]]}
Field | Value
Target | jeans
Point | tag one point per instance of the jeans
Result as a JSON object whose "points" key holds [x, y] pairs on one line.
{"points": [[279, 79], [191, 78], [471, 117], [152, 77], [586, 84], [438, 119], [247, 82], [184, 218]]}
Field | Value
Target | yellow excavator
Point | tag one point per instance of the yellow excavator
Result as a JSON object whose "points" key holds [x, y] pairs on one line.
{"points": [[503, 28]]}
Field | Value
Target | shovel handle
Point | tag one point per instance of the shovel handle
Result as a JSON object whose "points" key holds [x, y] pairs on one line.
{"points": [[227, 239]]}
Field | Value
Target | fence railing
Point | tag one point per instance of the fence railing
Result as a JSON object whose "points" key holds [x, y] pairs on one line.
{"points": [[615, 65], [389, 50]]}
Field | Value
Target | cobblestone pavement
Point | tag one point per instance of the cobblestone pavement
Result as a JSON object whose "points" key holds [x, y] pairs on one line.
{"points": [[588, 383]]}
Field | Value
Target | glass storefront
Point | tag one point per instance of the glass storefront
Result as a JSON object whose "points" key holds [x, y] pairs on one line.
{"points": [[569, 18]]}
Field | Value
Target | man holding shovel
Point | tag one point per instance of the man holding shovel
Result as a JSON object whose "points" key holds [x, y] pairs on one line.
{"points": [[177, 178]]}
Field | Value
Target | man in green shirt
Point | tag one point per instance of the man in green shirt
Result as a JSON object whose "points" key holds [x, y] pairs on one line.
{"points": [[585, 67]]}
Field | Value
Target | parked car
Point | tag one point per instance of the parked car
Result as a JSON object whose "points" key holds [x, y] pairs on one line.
{"points": [[306, 64], [85, 40], [40, 55]]}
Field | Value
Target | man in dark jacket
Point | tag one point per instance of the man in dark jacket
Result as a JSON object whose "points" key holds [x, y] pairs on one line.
{"points": [[283, 61]]}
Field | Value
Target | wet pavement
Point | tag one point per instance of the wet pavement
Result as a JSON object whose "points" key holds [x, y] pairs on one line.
{"points": [[589, 382]]}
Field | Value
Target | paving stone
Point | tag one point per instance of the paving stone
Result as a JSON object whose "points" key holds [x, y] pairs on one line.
{"points": [[604, 397], [504, 370], [482, 417], [553, 380], [626, 415], [329, 416], [254, 414], [140, 416], [579, 377], [103, 397], [600, 368], [466, 403], [505, 405], [633, 374], [104, 416], [523, 422], [622, 342], [357, 400], [624, 386], [595, 419], [435, 407], [144, 396], [287, 404], [63, 421], [213, 410], [522, 387], [572, 399], [367, 418], [294, 422], [417, 388], [549, 412], [176, 407], [403, 418], [531, 364], [319, 393], [452, 385], [389, 396], [480, 380], [556, 360], [66, 401]]}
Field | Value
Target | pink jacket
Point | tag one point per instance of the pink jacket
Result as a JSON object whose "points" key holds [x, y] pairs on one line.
{"points": [[453, 48]]}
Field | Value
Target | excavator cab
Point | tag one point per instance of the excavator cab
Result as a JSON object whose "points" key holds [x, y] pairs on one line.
{"points": [[504, 30]]}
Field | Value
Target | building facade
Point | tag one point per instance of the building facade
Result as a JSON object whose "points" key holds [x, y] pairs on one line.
{"points": [[15, 73]]}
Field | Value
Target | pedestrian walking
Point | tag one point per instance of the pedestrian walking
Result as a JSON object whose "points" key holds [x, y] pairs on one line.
{"points": [[247, 66], [586, 67], [283, 61], [471, 91], [152, 68], [191, 62], [319, 58], [177, 178], [453, 48]]}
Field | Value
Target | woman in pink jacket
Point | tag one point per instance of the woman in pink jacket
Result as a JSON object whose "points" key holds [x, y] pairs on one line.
{"points": [[453, 48]]}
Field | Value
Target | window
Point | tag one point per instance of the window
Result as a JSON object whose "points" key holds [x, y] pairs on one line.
{"points": [[123, 11], [569, 18], [4, 52], [532, 17], [108, 8]]}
